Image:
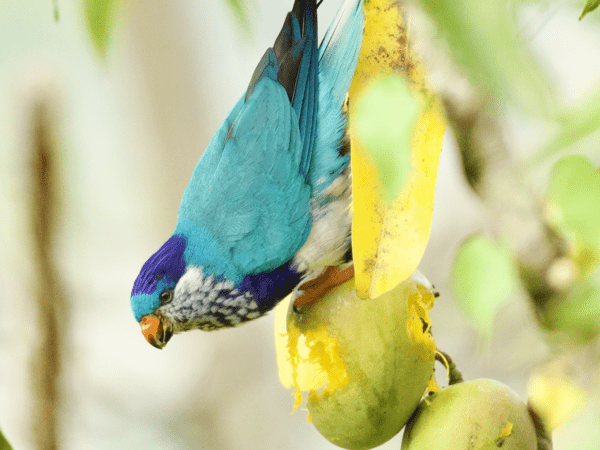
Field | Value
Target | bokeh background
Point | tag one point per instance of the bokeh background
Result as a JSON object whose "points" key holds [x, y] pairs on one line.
{"points": [[130, 129]]}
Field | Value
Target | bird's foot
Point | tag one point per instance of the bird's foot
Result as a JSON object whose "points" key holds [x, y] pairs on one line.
{"points": [[315, 289]]}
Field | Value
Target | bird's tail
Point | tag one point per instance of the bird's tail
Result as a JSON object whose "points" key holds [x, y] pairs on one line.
{"points": [[293, 61], [338, 55]]}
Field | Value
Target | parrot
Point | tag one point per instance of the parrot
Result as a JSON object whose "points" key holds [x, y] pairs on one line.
{"points": [[268, 204]]}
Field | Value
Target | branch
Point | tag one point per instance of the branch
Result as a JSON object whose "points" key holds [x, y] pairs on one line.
{"points": [[49, 296], [515, 212]]}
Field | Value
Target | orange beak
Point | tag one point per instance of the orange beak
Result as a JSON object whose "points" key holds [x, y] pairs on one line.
{"points": [[155, 332]]}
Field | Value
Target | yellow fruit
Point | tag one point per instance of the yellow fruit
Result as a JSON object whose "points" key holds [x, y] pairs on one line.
{"points": [[371, 360], [476, 415]]}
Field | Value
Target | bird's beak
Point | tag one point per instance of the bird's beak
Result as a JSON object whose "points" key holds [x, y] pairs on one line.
{"points": [[155, 331]]}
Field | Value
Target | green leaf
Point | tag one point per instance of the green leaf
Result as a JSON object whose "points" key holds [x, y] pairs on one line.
{"points": [[240, 12], [386, 116], [484, 37], [99, 16], [484, 277], [574, 200], [578, 314], [590, 5], [576, 124], [55, 10], [4, 445]]}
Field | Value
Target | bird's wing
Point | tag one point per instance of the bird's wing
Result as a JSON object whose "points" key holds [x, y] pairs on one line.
{"points": [[297, 56], [338, 55], [249, 197], [246, 192]]}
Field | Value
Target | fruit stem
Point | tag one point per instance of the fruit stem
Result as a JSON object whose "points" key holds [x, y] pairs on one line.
{"points": [[543, 437], [454, 375]]}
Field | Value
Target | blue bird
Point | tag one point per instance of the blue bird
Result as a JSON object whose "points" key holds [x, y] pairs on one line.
{"points": [[268, 204]]}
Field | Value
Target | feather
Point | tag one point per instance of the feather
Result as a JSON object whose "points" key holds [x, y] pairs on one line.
{"points": [[338, 55]]}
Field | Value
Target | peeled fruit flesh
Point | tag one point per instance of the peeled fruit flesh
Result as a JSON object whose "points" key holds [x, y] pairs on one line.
{"points": [[475, 415], [366, 362]]}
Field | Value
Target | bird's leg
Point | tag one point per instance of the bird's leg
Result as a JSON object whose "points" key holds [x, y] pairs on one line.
{"points": [[316, 288]]}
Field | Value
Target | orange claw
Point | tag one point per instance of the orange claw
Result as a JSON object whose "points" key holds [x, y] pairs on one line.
{"points": [[316, 288]]}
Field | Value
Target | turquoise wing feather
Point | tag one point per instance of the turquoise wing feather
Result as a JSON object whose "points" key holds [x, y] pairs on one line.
{"points": [[338, 56], [246, 192], [247, 207]]}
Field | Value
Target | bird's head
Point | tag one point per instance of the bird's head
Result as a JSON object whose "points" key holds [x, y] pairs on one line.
{"points": [[154, 290], [170, 296]]}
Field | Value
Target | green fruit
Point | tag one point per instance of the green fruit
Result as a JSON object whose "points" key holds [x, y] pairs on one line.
{"points": [[378, 356], [476, 415]]}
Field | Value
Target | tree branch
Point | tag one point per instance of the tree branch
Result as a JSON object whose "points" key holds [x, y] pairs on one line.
{"points": [[49, 297]]}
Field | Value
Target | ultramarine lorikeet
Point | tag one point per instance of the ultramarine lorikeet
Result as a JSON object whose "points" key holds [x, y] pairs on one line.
{"points": [[268, 203]]}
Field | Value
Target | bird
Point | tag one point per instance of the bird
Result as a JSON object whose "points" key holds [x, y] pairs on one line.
{"points": [[268, 205]]}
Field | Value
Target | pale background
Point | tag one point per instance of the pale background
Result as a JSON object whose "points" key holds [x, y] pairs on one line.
{"points": [[132, 129]]}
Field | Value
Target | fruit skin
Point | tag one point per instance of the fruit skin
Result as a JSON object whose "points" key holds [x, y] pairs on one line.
{"points": [[387, 369], [474, 415]]}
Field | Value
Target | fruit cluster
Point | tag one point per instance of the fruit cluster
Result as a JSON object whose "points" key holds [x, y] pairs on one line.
{"points": [[368, 366]]}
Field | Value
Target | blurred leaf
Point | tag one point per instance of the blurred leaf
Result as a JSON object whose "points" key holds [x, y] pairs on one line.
{"points": [[575, 125], [578, 314], [554, 396], [483, 34], [99, 15], [385, 120], [240, 11], [586, 259], [4, 445], [484, 276], [574, 200], [388, 239], [55, 10], [590, 6]]}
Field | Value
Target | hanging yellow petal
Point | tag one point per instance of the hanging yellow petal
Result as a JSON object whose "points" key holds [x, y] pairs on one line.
{"points": [[388, 239]]}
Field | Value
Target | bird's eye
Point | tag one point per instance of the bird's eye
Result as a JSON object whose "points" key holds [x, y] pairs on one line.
{"points": [[166, 296]]}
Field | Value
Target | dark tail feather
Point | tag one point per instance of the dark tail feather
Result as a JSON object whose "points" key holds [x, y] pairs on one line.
{"points": [[297, 67], [299, 32]]}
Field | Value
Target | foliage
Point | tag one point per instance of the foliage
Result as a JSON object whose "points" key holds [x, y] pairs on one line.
{"points": [[590, 6], [100, 19], [239, 10], [385, 121], [558, 271], [573, 202], [4, 445], [484, 277], [483, 37], [101, 15]]}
